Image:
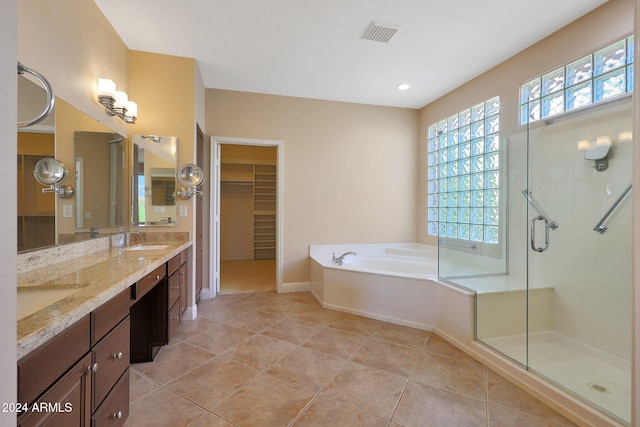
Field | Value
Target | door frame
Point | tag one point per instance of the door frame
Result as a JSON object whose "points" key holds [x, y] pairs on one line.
{"points": [[214, 264]]}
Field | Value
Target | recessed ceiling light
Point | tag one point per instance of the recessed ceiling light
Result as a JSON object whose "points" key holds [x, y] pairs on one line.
{"points": [[404, 86]]}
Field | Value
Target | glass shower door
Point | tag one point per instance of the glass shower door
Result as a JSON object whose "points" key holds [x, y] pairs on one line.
{"points": [[579, 253]]}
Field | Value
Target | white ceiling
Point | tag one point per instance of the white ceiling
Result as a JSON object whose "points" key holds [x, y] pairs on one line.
{"points": [[313, 48]]}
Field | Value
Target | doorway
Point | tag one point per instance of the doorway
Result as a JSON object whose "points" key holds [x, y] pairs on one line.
{"points": [[247, 214]]}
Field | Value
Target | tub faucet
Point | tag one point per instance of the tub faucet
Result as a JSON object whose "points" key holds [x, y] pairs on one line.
{"points": [[338, 260]]}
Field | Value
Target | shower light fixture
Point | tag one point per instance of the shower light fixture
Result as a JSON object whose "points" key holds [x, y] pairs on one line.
{"points": [[116, 103], [597, 150]]}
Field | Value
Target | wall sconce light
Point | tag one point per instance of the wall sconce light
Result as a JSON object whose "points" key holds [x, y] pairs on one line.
{"points": [[190, 176], [597, 150], [51, 172], [116, 103]]}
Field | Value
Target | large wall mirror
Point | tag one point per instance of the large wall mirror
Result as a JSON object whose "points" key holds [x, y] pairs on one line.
{"points": [[99, 183], [36, 210], [154, 180], [44, 219]]}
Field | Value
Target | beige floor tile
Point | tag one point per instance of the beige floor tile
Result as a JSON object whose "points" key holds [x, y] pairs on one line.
{"points": [[212, 382], [307, 368], [307, 377], [369, 389], [502, 392], [315, 314], [335, 342], [283, 307], [222, 313], [210, 420], [172, 362], [404, 335], [292, 330], [423, 405], [140, 386], [453, 375], [388, 356], [266, 401], [191, 328], [251, 302], [437, 345], [220, 339], [501, 416], [325, 412], [255, 321], [259, 351], [356, 324], [162, 409]]}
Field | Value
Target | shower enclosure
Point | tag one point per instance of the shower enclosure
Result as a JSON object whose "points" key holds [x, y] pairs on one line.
{"points": [[555, 293]]}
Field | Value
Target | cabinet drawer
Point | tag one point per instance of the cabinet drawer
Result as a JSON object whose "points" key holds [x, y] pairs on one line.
{"points": [[69, 397], [145, 284], [173, 264], [112, 356], [43, 366], [184, 287], [176, 261], [174, 289], [108, 315], [115, 408], [174, 319]]}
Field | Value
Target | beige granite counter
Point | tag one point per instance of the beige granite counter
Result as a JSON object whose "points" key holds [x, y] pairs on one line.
{"points": [[75, 286]]}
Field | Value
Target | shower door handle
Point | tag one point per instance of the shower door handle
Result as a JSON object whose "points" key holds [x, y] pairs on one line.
{"points": [[533, 234]]}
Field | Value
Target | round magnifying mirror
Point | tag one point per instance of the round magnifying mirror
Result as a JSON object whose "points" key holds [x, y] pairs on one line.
{"points": [[190, 175], [49, 171]]}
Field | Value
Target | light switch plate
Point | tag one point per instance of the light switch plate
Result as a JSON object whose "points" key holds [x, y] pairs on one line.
{"points": [[183, 211], [67, 211]]}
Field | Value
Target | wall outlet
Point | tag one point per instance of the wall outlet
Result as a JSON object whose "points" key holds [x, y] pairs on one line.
{"points": [[67, 211], [183, 211]]}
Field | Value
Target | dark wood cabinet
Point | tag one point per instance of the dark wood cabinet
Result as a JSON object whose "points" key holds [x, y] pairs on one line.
{"points": [[67, 379], [177, 270], [66, 403]]}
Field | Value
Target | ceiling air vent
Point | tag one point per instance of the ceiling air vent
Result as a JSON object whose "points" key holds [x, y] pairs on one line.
{"points": [[380, 32]]}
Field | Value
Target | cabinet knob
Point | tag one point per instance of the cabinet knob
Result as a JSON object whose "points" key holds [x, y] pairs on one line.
{"points": [[117, 415], [182, 272], [94, 367], [117, 355], [156, 277], [175, 318], [175, 287]]}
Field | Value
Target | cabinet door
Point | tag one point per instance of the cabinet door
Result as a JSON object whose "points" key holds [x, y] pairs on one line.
{"points": [[112, 357], [184, 287], [66, 403]]}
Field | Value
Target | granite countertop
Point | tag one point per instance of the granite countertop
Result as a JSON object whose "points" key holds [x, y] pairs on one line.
{"points": [[53, 297]]}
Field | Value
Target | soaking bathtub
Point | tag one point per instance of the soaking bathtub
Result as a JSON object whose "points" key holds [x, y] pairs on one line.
{"points": [[395, 283]]}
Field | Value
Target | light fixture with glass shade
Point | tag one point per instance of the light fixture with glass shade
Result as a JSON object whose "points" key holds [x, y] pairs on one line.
{"points": [[116, 103]]}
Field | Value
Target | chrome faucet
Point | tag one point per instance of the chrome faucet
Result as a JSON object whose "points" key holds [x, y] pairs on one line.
{"points": [[338, 260]]}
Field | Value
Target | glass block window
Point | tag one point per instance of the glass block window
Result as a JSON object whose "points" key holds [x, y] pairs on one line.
{"points": [[463, 174], [596, 77]]}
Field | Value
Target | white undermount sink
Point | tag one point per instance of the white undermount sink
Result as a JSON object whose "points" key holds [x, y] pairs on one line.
{"points": [[146, 247]]}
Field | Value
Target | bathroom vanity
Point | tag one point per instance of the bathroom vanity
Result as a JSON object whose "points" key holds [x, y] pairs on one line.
{"points": [[74, 353]]}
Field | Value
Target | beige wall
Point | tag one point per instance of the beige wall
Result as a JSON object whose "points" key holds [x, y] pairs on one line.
{"points": [[350, 170], [71, 43], [166, 106], [8, 230]]}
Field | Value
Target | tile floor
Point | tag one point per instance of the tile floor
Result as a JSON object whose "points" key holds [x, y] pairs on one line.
{"points": [[267, 359]]}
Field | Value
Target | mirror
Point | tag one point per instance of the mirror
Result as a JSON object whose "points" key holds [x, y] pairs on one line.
{"points": [[154, 180], [100, 187], [43, 218], [36, 210], [190, 176], [49, 171]]}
